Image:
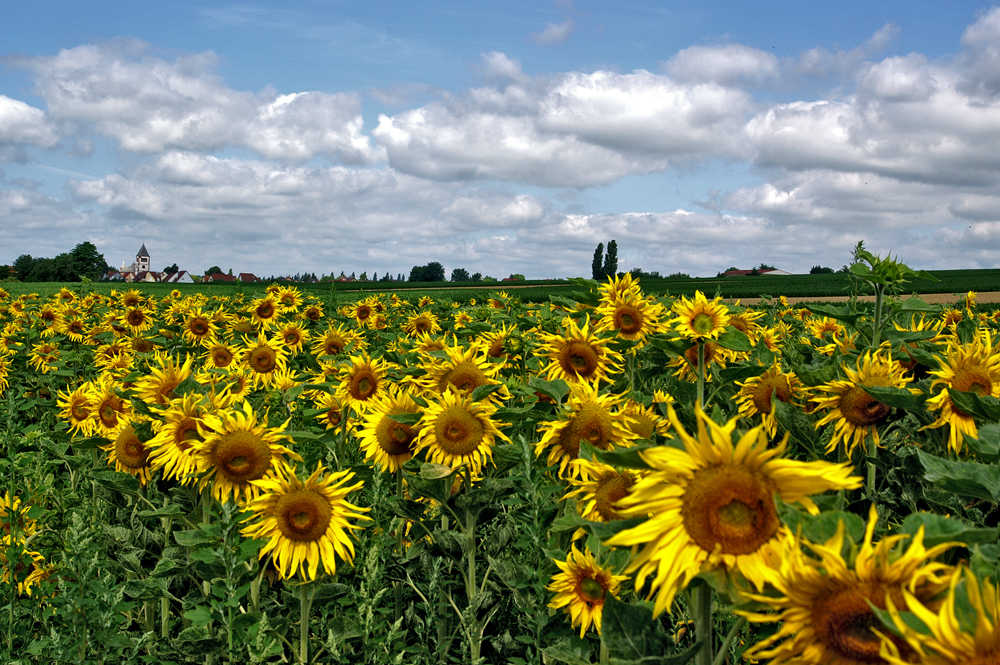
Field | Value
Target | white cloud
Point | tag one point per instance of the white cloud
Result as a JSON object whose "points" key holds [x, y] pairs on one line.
{"points": [[727, 65], [554, 33], [21, 125]]}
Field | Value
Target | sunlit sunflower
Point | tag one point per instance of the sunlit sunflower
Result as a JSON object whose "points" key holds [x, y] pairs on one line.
{"points": [[199, 328], [165, 374], [587, 416], [238, 450], [289, 298], [598, 488], [582, 587], [362, 313], [856, 414], [459, 432], [130, 299], [305, 523], [292, 336], [128, 453], [955, 635], [422, 322], [746, 322], [171, 448], [363, 382], [577, 354], [825, 600], [620, 287], [630, 318], [824, 328], [699, 318], [384, 441], [43, 355], [712, 504], [336, 341], [263, 358], [137, 320], [313, 313], [140, 344], [951, 317], [264, 312], [972, 367], [754, 397], [220, 355], [463, 370], [76, 409], [425, 301]]}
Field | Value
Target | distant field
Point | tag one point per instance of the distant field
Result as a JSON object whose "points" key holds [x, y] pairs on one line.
{"points": [[800, 286]]}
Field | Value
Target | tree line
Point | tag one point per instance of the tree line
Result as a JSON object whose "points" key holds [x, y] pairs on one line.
{"points": [[83, 261]]}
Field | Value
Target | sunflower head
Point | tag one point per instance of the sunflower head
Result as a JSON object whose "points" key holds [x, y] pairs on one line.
{"points": [[581, 588], [458, 432], [699, 318]]}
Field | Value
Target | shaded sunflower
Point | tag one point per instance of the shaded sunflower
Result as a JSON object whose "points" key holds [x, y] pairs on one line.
{"points": [[754, 397], [237, 450], [598, 488], [129, 454], [954, 635], [825, 602], [712, 505], [306, 523], [577, 354], [972, 367], [171, 449], [165, 374], [314, 312], [110, 411], [332, 411], [384, 441], [43, 355], [496, 345], [699, 318], [458, 432], [645, 422], [586, 416], [422, 323], [365, 380], [15, 522], [582, 587], [716, 356], [856, 413]]}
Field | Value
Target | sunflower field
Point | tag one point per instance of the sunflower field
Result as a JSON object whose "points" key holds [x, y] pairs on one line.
{"points": [[608, 477]]}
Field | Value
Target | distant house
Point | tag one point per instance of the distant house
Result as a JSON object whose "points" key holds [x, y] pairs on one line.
{"points": [[248, 277], [767, 271], [180, 277], [219, 277]]}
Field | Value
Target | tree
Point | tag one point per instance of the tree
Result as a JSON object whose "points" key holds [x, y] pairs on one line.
{"points": [[597, 267], [85, 261], [213, 270], [477, 277], [432, 272], [172, 269], [460, 275], [819, 270], [611, 260], [22, 265], [764, 266]]}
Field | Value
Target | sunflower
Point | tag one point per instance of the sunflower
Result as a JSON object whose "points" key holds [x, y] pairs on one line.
{"points": [[384, 441], [582, 587], [625, 287], [955, 635], [598, 488], [293, 337], [825, 602], [199, 328], [363, 382], [973, 367], [496, 343], [712, 504], [165, 375], [15, 522], [754, 397], [74, 328], [264, 312], [645, 422], [220, 355], [306, 522], [289, 298], [136, 320], [314, 312], [577, 354], [171, 448], [29, 569], [630, 318], [464, 370], [746, 322], [332, 411], [715, 354], [263, 359], [129, 454], [699, 318], [362, 312], [824, 328], [77, 410], [422, 322], [459, 432], [336, 341], [130, 299], [110, 411], [43, 355], [238, 450], [4, 371], [856, 413], [587, 416]]}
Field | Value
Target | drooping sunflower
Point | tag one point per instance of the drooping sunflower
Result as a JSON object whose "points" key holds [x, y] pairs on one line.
{"points": [[43, 355], [645, 422], [263, 358], [384, 441], [76, 409], [237, 450], [716, 356], [582, 587], [171, 448], [165, 374], [365, 380], [754, 397], [496, 343], [577, 354], [855, 412], [598, 488], [630, 318], [972, 367], [955, 636], [587, 416], [458, 432], [110, 411], [825, 602], [306, 523], [746, 322], [129, 454], [332, 414], [712, 505], [699, 318]]}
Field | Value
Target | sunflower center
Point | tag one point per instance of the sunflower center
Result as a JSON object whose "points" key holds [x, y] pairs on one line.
{"points": [[393, 437], [772, 385], [243, 327], [457, 431], [592, 591], [265, 311], [579, 359], [242, 456], [186, 430], [363, 313], [129, 449], [702, 323], [973, 379], [222, 357], [199, 327], [421, 325], [141, 345], [610, 490], [844, 621], [303, 515], [860, 409], [731, 507], [292, 337], [135, 318], [363, 385], [313, 314], [465, 378], [333, 346], [262, 359], [496, 348], [628, 320], [79, 411], [108, 411]]}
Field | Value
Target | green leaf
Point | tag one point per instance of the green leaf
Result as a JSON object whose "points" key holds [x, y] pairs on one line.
{"points": [[432, 471], [628, 458], [118, 481], [170, 510], [899, 398], [405, 418], [815, 375], [980, 481], [901, 336], [911, 620], [740, 373], [633, 638], [200, 616], [940, 529], [572, 651], [194, 538], [168, 568], [915, 304], [734, 340], [205, 555], [844, 314], [801, 429], [981, 406], [483, 391], [673, 346], [821, 528], [554, 390], [987, 446]]}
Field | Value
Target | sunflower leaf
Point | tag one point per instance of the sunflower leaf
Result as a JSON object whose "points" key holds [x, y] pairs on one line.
{"points": [[483, 391], [572, 651], [900, 336], [964, 478], [734, 340], [170, 510], [677, 347], [911, 620], [899, 398], [982, 406], [199, 616], [815, 374], [405, 418], [844, 314], [987, 446], [554, 390], [799, 426], [432, 471], [628, 458], [740, 373], [940, 529]]}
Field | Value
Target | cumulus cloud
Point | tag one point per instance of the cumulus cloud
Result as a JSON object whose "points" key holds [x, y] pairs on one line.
{"points": [[24, 125], [727, 65]]}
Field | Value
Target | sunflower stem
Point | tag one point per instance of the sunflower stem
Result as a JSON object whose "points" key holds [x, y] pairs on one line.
{"points": [[872, 456], [701, 373], [879, 289], [703, 626], [304, 608], [475, 636], [724, 649], [399, 546]]}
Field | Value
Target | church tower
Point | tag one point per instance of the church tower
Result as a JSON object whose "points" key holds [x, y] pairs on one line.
{"points": [[142, 259]]}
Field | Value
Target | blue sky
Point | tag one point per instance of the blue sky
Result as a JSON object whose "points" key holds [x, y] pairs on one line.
{"points": [[501, 137]]}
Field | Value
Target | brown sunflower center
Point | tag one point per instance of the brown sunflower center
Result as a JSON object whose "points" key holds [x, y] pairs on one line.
{"points": [[241, 457], [303, 515], [263, 359], [457, 431], [185, 431], [129, 449], [292, 337], [860, 409], [393, 437], [579, 359], [711, 348], [363, 313], [222, 357], [496, 349], [768, 386], [610, 490], [643, 425], [130, 301], [363, 384], [844, 621], [135, 318], [464, 377], [243, 327], [592, 423], [973, 379], [313, 314], [421, 324], [628, 320], [141, 345], [592, 591], [108, 411], [732, 507], [265, 311], [199, 327], [333, 345], [79, 410]]}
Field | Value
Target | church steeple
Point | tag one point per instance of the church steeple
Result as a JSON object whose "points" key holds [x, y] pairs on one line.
{"points": [[142, 259]]}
